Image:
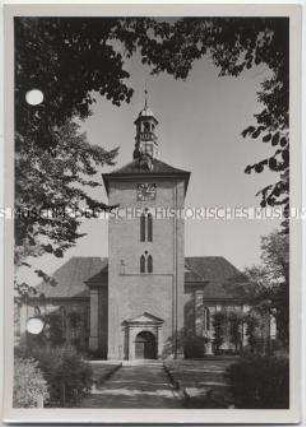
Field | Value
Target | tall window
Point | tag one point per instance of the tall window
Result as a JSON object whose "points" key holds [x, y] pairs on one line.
{"points": [[143, 228], [150, 264], [142, 264], [146, 227], [146, 263], [150, 227]]}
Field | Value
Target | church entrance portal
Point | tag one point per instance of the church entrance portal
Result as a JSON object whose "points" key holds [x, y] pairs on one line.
{"points": [[145, 346], [142, 337]]}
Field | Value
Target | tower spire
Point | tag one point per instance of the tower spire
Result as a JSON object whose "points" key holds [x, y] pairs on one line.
{"points": [[146, 95]]}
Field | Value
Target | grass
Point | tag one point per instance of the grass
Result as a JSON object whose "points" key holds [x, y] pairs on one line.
{"points": [[202, 381]]}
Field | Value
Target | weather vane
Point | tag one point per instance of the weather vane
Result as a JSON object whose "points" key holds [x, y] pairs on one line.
{"points": [[146, 95]]}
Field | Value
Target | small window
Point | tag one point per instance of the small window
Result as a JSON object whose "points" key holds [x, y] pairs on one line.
{"points": [[146, 263]]}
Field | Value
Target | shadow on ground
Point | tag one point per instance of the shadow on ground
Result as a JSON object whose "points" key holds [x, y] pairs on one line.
{"points": [[141, 386]]}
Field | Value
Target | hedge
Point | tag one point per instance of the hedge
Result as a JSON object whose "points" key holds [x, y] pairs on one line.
{"points": [[260, 382]]}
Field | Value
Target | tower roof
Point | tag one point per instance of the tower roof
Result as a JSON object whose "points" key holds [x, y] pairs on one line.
{"points": [[146, 112], [135, 169]]}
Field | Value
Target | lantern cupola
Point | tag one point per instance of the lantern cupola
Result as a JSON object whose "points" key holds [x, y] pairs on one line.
{"points": [[146, 142]]}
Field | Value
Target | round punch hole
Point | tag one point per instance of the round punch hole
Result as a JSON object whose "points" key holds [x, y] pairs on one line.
{"points": [[34, 97], [35, 325]]}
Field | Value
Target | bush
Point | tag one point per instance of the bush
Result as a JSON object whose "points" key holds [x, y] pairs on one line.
{"points": [[260, 382], [29, 384], [186, 343], [69, 377], [194, 346], [54, 328], [277, 347], [29, 344]]}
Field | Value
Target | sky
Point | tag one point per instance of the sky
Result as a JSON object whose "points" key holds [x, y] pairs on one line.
{"points": [[200, 125]]}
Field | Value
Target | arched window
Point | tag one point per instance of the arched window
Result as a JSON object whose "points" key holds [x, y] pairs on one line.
{"points": [[206, 319], [150, 264], [150, 227], [142, 227], [142, 264]]}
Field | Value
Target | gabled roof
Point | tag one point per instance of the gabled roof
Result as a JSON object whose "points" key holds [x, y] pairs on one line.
{"points": [[159, 167], [100, 279], [191, 276], [219, 278], [215, 276], [71, 277], [212, 268], [134, 168], [222, 291]]}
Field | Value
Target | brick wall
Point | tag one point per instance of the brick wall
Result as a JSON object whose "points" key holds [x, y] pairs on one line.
{"points": [[132, 293]]}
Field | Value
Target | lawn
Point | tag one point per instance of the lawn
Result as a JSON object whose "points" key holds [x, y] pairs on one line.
{"points": [[102, 371], [202, 381]]}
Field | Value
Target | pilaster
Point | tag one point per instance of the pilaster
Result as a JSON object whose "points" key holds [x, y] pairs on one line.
{"points": [[94, 318]]}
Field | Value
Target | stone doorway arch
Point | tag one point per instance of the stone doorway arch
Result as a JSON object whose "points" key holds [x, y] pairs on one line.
{"points": [[145, 346], [142, 333]]}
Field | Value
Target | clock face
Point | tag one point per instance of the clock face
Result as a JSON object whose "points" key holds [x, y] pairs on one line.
{"points": [[146, 191]]}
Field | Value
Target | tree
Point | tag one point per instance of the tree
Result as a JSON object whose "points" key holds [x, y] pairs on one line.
{"points": [[74, 60], [51, 192], [269, 282], [235, 45]]}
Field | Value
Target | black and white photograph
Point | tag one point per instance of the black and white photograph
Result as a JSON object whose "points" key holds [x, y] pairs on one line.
{"points": [[153, 209]]}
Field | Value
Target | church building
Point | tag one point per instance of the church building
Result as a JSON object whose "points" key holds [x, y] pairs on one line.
{"points": [[135, 303]]}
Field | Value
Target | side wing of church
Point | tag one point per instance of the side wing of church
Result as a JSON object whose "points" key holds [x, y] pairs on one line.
{"points": [[136, 303]]}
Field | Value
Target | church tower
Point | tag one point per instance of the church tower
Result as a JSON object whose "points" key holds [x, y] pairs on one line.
{"points": [[146, 250]]}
